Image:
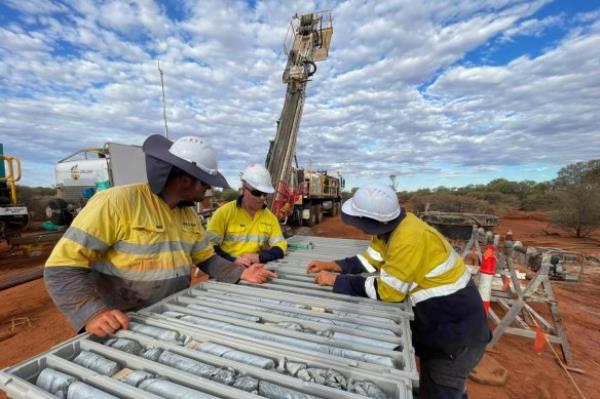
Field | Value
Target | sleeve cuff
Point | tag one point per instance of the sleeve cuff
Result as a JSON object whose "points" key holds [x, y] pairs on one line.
{"points": [[350, 285], [224, 254], [350, 265], [268, 255], [221, 270]]}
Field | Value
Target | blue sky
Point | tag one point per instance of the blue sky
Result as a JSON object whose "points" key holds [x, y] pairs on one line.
{"points": [[435, 93]]}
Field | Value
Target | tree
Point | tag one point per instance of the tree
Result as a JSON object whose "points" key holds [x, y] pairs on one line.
{"points": [[577, 186], [578, 209], [26, 193], [579, 173], [35, 199], [346, 195], [229, 194]]}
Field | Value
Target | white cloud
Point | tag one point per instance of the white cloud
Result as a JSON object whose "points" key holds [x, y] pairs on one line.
{"points": [[37, 7], [78, 74], [16, 41], [532, 27]]}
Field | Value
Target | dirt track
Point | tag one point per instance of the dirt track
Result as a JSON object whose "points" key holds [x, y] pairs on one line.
{"points": [[531, 375]]}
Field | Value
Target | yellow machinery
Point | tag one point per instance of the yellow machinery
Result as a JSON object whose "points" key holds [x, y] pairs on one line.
{"points": [[14, 217]]}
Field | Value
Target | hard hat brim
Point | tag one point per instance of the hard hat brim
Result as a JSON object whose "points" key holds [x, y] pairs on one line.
{"points": [[264, 189], [158, 146], [372, 226]]}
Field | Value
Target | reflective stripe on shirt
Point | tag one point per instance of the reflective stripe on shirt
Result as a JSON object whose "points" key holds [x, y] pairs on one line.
{"points": [[374, 254], [85, 240], [152, 249], [445, 266], [105, 267], [214, 237], [442, 290], [397, 284], [200, 245], [275, 240], [156, 248], [243, 238], [370, 287], [366, 264]]}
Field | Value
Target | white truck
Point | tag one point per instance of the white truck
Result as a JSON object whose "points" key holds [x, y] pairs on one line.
{"points": [[81, 174]]}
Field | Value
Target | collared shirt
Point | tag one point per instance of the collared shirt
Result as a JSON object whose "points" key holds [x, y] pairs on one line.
{"points": [[233, 230], [136, 249], [416, 262]]}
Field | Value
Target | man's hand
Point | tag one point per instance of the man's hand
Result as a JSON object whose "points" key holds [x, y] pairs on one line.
{"points": [[316, 266], [107, 322], [257, 274], [241, 261], [325, 278], [251, 257]]}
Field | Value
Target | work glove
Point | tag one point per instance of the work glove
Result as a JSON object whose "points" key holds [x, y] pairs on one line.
{"points": [[316, 266]]}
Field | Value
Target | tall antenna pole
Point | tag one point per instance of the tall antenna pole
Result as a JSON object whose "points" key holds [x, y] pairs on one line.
{"points": [[164, 102]]}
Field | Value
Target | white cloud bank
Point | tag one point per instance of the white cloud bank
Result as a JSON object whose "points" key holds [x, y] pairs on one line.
{"points": [[394, 97]]}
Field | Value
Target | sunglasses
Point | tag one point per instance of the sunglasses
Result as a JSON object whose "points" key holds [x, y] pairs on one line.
{"points": [[256, 193]]}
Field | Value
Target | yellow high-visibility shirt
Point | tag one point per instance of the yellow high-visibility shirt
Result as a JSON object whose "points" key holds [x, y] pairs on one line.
{"points": [[129, 232], [415, 260], [127, 249], [236, 233]]}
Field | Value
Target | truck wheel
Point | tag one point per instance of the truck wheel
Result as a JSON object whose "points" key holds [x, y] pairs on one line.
{"points": [[334, 209], [331, 211], [319, 213], [312, 219], [298, 216]]}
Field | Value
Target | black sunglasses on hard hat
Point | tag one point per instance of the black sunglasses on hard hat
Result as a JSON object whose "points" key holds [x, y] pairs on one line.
{"points": [[256, 193]]}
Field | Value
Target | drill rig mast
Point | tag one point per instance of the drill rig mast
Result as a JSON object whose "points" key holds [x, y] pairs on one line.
{"points": [[309, 37]]}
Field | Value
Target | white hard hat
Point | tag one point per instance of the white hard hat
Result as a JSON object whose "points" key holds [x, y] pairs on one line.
{"points": [[258, 177], [191, 154], [374, 209], [375, 201], [197, 151]]}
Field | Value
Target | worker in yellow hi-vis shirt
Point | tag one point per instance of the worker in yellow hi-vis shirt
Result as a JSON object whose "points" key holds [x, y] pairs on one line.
{"points": [[244, 231], [410, 260], [133, 245]]}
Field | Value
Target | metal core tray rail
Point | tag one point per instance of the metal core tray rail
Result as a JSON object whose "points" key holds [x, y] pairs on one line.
{"points": [[219, 340]]}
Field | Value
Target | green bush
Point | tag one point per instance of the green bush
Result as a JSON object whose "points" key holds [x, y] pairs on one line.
{"points": [[447, 202], [229, 194], [540, 201], [577, 209], [35, 199]]}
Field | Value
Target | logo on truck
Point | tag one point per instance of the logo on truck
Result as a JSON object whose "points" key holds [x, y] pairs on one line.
{"points": [[75, 173]]}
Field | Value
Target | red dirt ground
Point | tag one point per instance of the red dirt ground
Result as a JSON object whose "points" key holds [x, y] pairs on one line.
{"points": [[531, 375]]}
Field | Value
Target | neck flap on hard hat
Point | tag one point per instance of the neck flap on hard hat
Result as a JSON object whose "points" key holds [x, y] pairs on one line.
{"points": [[157, 172]]}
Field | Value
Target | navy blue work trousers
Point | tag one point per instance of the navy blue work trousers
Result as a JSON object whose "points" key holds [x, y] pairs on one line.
{"points": [[444, 376]]}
